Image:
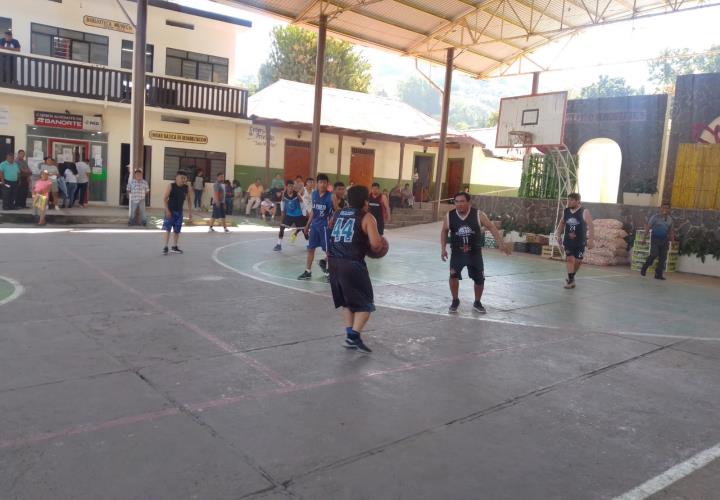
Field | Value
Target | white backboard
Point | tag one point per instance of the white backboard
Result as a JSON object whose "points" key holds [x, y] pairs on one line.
{"points": [[542, 115]]}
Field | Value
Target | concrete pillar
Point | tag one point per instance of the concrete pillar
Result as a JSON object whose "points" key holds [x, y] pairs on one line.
{"points": [[138, 88], [443, 131], [267, 156], [319, 72], [339, 157]]}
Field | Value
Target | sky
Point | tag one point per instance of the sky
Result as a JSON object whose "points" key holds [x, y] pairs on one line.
{"points": [[606, 45]]}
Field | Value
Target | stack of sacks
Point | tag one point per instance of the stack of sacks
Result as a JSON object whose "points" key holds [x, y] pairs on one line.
{"points": [[610, 247]]}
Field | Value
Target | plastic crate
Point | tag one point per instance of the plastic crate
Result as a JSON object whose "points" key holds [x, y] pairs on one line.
{"points": [[551, 252]]}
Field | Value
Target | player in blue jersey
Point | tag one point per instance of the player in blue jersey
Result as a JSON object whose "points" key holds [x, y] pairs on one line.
{"points": [[354, 233], [291, 207], [317, 225]]}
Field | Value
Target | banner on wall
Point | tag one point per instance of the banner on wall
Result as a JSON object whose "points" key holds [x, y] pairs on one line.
{"points": [[108, 24], [68, 121], [178, 137]]}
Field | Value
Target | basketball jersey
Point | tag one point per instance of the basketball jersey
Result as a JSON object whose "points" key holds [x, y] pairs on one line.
{"points": [[375, 207], [575, 227], [291, 205], [177, 197], [322, 208], [466, 234], [347, 239]]}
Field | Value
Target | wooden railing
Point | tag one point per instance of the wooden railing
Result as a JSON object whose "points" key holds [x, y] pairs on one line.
{"points": [[53, 76]]}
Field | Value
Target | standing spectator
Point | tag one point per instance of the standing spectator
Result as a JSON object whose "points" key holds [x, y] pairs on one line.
{"points": [[229, 197], [198, 186], [395, 197], [218, 210], [7, 61], [662, 233], [53, 172], [239, 196], [71, 179], [277, 183], [137, 190], [9, 43], [254, 193], [83, 182], [9, 174], [408, 198], [40, 193], [23, 181], [175, 195]]}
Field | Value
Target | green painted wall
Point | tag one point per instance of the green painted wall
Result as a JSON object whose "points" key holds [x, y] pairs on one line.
{"points": [[481, 189]]}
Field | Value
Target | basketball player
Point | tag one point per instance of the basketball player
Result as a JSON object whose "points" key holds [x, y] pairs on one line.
{"points": [[577, 231], [175, 195], [304, 190], [465, 224], [354, 232], [339, 195], [291, 207], [316, 227], [379, 207]]}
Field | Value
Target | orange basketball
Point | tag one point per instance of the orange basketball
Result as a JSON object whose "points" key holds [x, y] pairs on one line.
{"points": [[383, 251]]}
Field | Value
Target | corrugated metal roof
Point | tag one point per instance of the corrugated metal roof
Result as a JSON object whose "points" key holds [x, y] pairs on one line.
{"points": [[490, 35], [292, 102]]}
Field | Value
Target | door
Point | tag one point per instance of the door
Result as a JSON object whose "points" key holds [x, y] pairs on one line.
{"points": [[422, 174], [362, 166], [453, 184], [297, 159], [7, 145], [125, 171]]}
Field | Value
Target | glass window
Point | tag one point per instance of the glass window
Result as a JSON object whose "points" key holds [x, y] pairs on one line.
{"points": [[196, 66], [41, 28], [5, 24], [98, 54], [189, 69], [173, 66], [194, 56], [220, 74], [102, 40], [210, 162], [68, 44], [181, 54], [41, 44], [205, 72], [126, 56], [80, 51], [71, 34]]}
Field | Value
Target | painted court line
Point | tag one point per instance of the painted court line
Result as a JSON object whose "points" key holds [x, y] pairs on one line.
{"points": [[672, 475], [17, 292], [260, 367]]}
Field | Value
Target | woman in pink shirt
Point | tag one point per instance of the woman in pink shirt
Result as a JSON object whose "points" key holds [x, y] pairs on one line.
{"points": [[40, 192]]}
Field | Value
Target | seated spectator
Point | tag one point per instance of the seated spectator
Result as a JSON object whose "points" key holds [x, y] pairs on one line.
{"points": [[267, 207], [395, 197], [408, 199], [239, 202], [254, 194], [277, 183]]}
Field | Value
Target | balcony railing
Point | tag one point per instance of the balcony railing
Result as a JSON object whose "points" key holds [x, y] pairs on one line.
{"points": [[52, 76]]}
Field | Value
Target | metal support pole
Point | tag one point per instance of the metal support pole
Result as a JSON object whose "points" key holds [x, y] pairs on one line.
{"points": [[138, 88], [317, 112], [402, 158], [339, 154], [267, 156], [535, 82], [443, 131]]}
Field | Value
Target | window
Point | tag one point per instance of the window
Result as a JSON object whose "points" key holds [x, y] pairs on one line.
{"points": [[5, 24], [68, 44], [192, 160], [178, 24], [126, 56], [196, 66]]}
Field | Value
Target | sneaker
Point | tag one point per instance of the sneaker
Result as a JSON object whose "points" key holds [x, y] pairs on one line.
{"points": [[569, 284], [176, 250], [211, 230], [227, 230], [478, 307], [660, 278], [305, 276], [323, 265], [349, 344], [454, 306], [165, 250], [360, 345], [277, 247], [293, 237], [643, 271]]}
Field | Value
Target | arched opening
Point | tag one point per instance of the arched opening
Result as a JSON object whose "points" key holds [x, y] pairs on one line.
{"points": [[599, 170]]}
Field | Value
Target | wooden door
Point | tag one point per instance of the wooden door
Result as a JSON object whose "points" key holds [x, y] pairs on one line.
{"points": [[362, 167], [297, 159], [454, 176], [421, 185]]}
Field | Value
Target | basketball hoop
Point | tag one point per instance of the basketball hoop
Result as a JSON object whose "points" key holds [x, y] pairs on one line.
{"points": [[520, 138]]}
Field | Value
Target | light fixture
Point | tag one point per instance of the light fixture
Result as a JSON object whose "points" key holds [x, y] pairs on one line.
{"points": [[424, 149], [363, 141], [299, 134]]}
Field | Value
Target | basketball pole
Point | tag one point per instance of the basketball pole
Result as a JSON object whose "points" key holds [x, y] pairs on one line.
{"points": [[443, 131], [317, 109]]}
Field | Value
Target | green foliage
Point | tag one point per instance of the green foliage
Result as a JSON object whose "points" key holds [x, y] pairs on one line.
{"points": [[539, 177], [292, 57], [701, 242], [674, 62], [420, 95], [647, 186], [492, 119], [607, 86]]}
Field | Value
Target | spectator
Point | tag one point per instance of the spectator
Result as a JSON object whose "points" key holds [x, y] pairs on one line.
{"points": [[9, 174], [660, 227], [23, 181], [71, 179], [229, 197], [83, 182], [198, 186], [8, 62], [267, 207], [408, 199], [53, 173], [239, 201], [40, 193], [9, 43], [395, 197], [137, 190], [277, 183], [254, 193]]}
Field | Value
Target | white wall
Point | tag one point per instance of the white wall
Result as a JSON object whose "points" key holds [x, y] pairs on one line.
{"points": [[490, 171]]}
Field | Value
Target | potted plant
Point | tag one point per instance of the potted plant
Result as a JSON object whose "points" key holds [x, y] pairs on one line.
{"points": [[700, 252], [640, 193]]}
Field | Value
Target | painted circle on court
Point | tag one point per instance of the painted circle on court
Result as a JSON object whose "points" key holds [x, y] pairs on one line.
{"points": [[9, 290]]}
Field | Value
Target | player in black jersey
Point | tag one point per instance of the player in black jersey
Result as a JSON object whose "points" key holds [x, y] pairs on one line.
{"points": [[577, 233], [353, 234], [379, 206], [465, 224], [339, 196]]}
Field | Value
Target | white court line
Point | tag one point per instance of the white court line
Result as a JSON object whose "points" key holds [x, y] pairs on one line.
{"points": [[217, 260], [17, 292], [672, 475]]}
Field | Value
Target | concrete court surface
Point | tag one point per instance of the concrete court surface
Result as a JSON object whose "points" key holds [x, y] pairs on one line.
{"points": [[125, 374]]}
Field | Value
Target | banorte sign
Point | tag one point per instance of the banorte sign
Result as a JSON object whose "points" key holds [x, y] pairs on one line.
{"points": [[67, 121]]}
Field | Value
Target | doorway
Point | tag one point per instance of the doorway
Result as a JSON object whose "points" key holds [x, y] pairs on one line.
{"points": [[422, 175], [362, 166], [600, 161], [297, 159], [455, 170], [7, 145], [125, 171]]}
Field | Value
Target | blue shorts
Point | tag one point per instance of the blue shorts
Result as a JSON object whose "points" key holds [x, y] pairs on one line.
{"points": [[218, 211], [318, 236], [174, 223]]}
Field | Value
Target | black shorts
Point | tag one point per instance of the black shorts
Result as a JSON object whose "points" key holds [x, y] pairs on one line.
{"points": [[474, 264], [381, 226], [577, 251], [218, 211], [350, 285], [297, 221]]}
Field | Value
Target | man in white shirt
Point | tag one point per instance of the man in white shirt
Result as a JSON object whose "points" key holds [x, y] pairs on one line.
{"points": [[83, 182], [137, 190]]}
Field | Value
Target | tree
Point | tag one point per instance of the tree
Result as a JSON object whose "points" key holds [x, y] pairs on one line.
{"points": [[672, 63], [292, 57], [420, 95], [607, 86], [465, 115], [492, 119]]}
